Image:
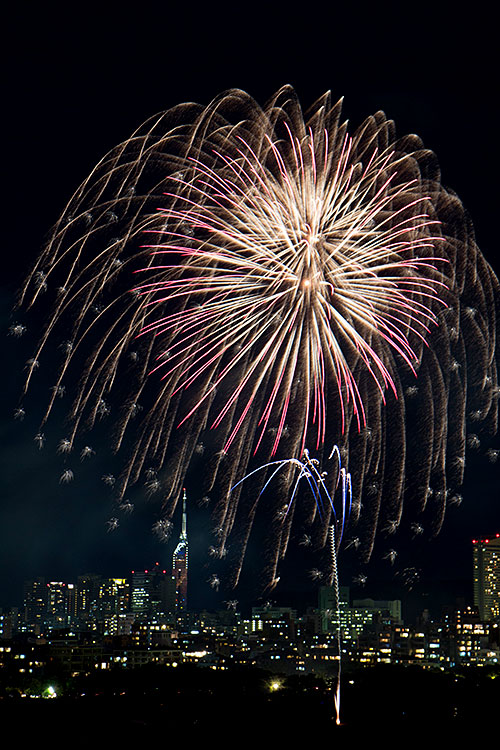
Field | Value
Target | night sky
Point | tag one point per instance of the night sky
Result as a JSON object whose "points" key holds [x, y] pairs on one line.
{"points": [[76, 87]]}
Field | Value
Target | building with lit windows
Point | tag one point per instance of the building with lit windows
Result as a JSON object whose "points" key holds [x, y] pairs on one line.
{"points": [[274, 623], [327, 605], [152, 592], [112, 605], [141, 589], [180, 564], [34, 604], [354, 619], [114, 594], [61, 603], [87, 595], [486, 560], [388, 609]]}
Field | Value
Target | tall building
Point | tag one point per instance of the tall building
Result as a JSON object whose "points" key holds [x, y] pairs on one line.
{"points": [[140, 592], [180, 563], [152, 592], [60, 601], [114, 595], [327, 605], [87, 595], [486, 559], [112, 606], [35, 603]]}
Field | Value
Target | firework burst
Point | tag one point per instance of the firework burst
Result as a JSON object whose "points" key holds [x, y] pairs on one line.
{"points": [[295, 285], [298, 262]]}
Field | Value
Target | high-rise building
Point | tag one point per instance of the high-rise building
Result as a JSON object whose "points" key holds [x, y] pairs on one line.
{"points": [[152, 592], [58, 601], [486, 559], [327, 605], [35, 603], [87, 595], [180, 563], [141, 591], [114, 595], [112, 605]]}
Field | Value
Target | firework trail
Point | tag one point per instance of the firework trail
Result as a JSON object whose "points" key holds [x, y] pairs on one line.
{"points": [[293, 285], [332, 498], [307, 472]]}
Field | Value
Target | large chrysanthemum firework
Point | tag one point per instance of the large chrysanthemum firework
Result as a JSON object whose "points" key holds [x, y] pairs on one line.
{"points": [[298, 263], [296, 287]]}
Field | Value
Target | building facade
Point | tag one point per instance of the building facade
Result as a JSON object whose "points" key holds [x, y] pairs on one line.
{"points": [[486, 562]]}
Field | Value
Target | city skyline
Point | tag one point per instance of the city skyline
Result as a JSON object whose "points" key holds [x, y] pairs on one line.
{"points": [[483, 588], [118, 615]]}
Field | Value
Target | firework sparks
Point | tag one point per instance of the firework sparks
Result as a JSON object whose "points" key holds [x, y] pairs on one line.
{"points": [[86, 452], [39, 440], [66, 477], [294, 283], [214, 581], [17, 330], [126, 507], [391, 555], [294, 270], [162, 529], [112, 524], [332, 509], [65, 446]]}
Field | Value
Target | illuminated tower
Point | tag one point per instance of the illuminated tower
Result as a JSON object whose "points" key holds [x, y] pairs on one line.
{"points": [[180, 563], [486, 556]]}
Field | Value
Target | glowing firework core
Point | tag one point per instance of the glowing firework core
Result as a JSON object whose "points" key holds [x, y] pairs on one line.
{"points": [[294, 258]]}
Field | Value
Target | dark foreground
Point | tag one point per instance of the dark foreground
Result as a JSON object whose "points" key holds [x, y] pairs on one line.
{"points": [[234, 706]]}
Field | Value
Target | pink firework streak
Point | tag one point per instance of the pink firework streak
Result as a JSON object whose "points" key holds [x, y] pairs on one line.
{"points": [[293, 263]]}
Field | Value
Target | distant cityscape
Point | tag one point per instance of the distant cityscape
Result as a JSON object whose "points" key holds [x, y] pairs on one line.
{"points": [[99, 623]]}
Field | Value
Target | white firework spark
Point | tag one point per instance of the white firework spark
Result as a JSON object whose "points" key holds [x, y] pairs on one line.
{"points": [[112, 524], [17, 330], [86, 452], [391, 555], [65, 446], [295, 281], [39, 440], [66, 477]]}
